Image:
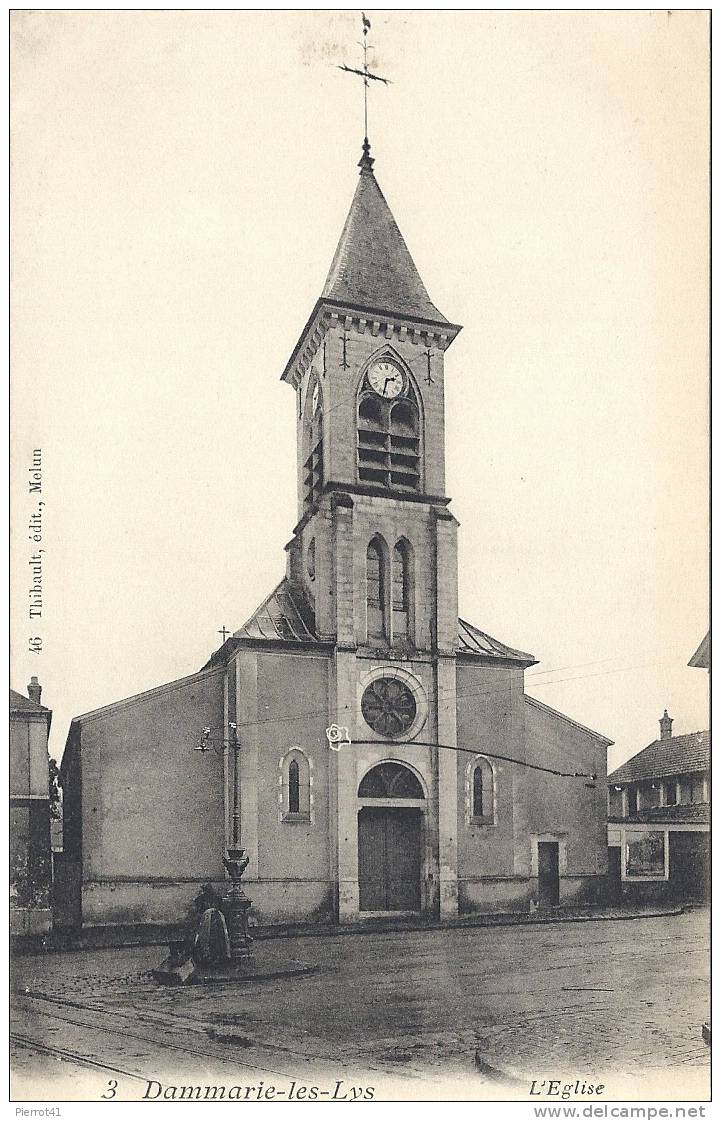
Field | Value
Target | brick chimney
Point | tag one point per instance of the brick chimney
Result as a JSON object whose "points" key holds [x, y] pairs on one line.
{"points": [[666, 721], [34, 690]]}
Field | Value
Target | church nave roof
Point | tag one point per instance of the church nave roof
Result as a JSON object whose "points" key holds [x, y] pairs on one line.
{"points": [[473, 641], [285, 616]]}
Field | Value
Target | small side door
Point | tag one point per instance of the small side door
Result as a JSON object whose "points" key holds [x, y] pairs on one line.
{"points": [[548, 878]]}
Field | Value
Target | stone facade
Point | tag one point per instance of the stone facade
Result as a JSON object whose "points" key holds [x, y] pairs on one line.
{"points": [[468, 826]]}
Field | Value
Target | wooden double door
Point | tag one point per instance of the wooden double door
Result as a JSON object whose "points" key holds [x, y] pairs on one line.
{"points": [[389, 858]]}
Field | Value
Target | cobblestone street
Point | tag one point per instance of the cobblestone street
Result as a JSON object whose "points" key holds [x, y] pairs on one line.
{"points": [[464, 1013]]}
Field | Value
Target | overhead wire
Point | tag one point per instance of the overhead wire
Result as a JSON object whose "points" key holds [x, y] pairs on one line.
{"points": [[486, 754], [507, 685], [459, 694]]}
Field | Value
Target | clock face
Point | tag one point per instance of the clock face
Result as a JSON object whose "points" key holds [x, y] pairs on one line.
{"points": [[386, 379], [315, 398]]}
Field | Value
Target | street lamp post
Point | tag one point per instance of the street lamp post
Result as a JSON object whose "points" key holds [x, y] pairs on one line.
{"points": [[236, 904]]}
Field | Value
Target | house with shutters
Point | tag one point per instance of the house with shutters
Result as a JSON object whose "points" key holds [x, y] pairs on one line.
{"points": [[390, 759], [659, 818]]}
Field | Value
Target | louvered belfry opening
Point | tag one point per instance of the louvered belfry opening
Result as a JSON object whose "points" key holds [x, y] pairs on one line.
{"points": [[389, 451], [313, 467]]}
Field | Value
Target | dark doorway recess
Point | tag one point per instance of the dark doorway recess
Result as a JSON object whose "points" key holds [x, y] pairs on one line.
{"points": [[614, 873], [548, 880], [389, 858]]}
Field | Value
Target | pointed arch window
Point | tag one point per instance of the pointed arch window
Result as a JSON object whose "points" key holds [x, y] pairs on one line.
{"points": [[376, 591], [401, 576], [295, 786], [389, 453], [481, 793]]}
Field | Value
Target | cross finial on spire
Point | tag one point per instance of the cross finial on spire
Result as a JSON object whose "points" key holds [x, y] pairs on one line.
{"points": [[366, 162]]}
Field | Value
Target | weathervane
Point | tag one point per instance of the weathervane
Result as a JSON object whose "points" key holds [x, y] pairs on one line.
{"points": [[367, 77]]}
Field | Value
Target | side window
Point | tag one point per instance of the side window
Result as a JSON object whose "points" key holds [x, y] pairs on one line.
{"points": [[296, 797], [402, 583], [293, 787], [481, 792], [376, 591]]}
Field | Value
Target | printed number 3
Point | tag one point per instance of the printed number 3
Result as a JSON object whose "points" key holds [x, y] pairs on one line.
{"points": [[112, 1087]]}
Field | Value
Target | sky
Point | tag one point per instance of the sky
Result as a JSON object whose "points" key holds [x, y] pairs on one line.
{"points": [[179, 183]]}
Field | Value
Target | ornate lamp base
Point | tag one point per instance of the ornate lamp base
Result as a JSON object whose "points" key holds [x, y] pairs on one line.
{"points": [[236, 906]]}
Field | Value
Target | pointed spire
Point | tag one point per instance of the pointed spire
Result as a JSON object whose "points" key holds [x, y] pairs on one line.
{"points": [[372, 267]]}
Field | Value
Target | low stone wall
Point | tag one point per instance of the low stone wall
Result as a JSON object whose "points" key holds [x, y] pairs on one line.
{"points": [[30, 920], [120, 903], [583, 890], [486, 895]]}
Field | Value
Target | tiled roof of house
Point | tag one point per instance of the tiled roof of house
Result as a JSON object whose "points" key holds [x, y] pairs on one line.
{"points": [[675, 756], [372, 267], [698, 813]]}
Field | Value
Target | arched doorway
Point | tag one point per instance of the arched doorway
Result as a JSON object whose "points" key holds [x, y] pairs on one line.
{"points": [[390, 839]]}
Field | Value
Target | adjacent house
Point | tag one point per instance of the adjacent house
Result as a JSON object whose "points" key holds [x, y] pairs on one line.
{"points": [[30, 861], [658, 820]]}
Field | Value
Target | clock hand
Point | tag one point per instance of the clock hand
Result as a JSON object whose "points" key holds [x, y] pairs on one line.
{"points": [[386, 383]]}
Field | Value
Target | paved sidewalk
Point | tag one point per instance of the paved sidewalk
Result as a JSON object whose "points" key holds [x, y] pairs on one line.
{"points": [[100, 937]]}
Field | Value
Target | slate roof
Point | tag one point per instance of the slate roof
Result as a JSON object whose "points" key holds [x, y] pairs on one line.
{"points": [[19, 703], [678, 755], [473, 641], [699, 812], [372, 267], [286, 617]]}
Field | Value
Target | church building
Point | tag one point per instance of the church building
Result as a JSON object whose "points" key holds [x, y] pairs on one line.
{"points": [[389, 760]]}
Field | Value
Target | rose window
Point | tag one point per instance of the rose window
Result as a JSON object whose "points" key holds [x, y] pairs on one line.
{"points": [[388, 706]]}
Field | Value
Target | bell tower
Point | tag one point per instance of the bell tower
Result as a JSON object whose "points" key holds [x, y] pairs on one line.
{"points": [[368, 371], [373, 555]]}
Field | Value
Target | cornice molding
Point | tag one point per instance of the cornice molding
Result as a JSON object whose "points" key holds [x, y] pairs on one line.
{"points": [[329, 313]]}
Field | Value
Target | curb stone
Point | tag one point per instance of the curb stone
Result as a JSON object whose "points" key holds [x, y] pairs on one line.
{"points": [[125, 937]]}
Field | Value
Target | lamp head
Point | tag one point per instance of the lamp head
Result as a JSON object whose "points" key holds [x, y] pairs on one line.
{"points": [[202, 744]]}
